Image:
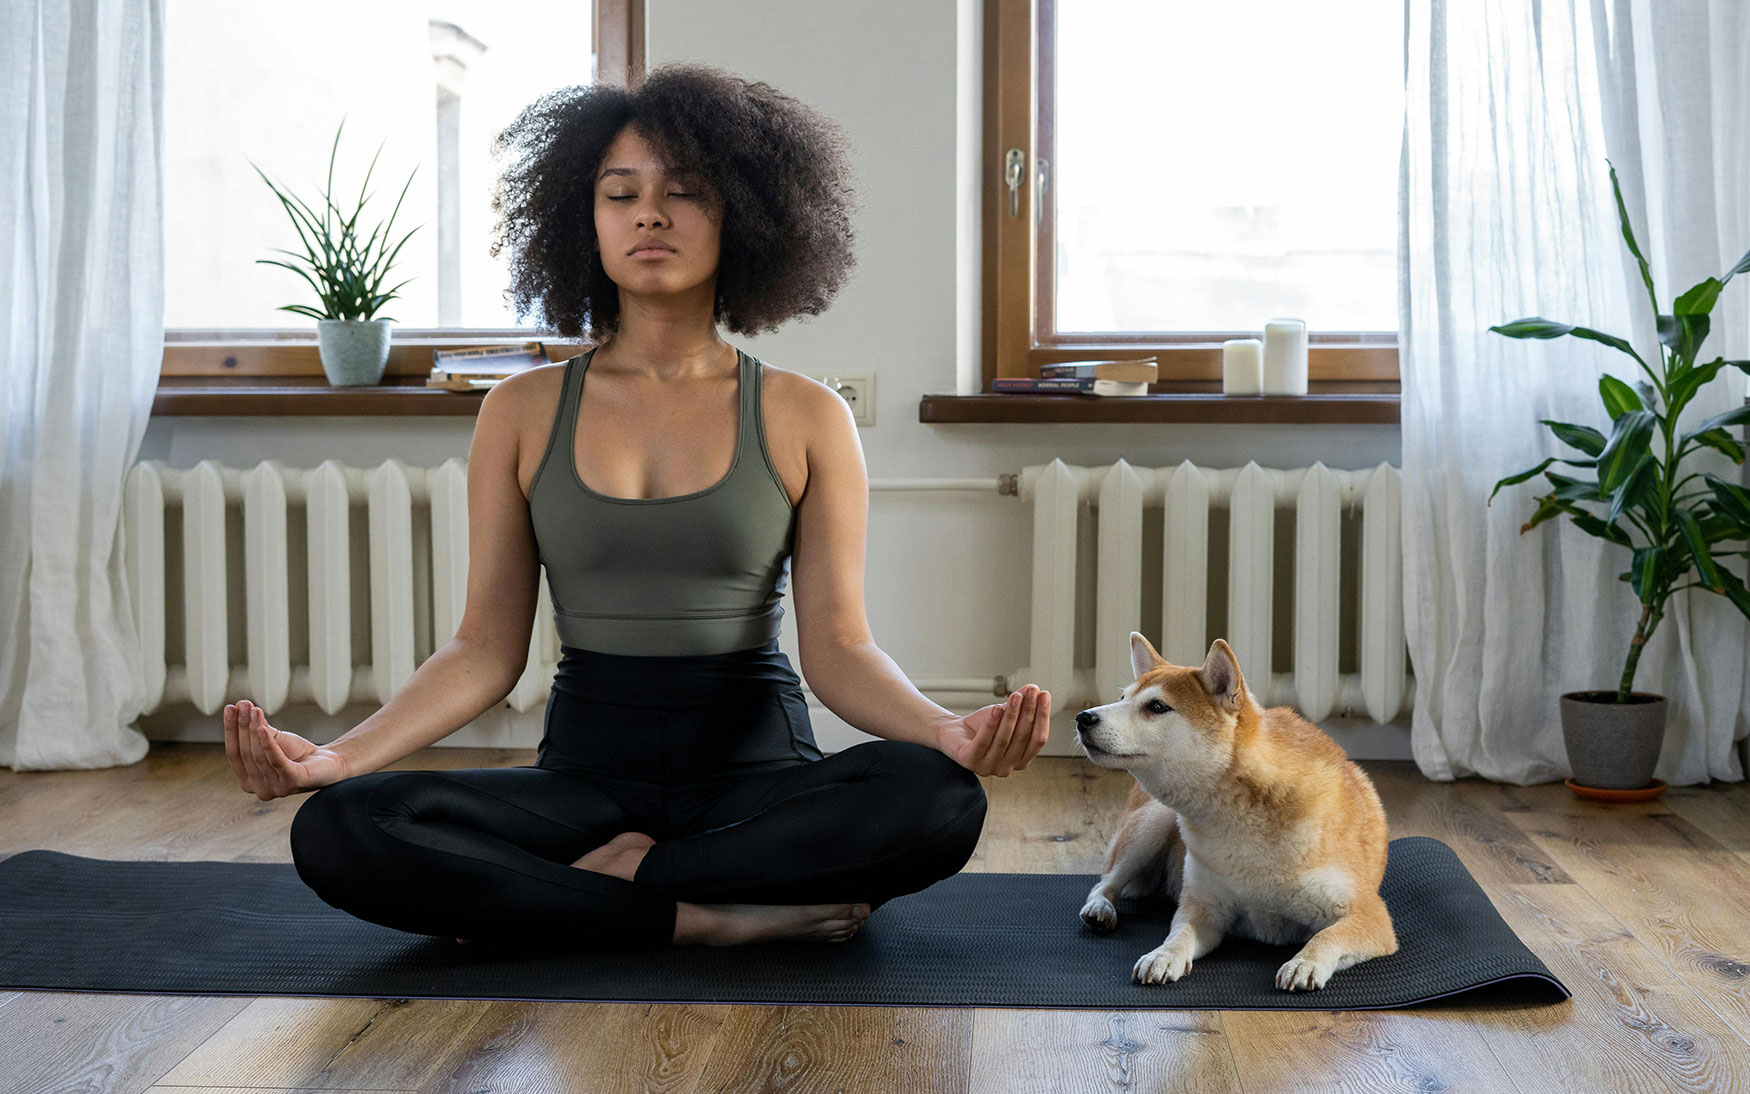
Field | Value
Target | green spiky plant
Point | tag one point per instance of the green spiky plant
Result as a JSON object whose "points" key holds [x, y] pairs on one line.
{"points": [[346, 278], [1670, 531]]}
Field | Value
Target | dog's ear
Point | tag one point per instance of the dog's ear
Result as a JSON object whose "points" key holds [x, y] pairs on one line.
{"points": [[1220, 677], [1142, 655]]}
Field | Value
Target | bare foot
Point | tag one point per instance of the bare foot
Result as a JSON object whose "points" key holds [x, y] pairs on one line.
{"points": [[737, 924], [729, 924], [619, 856]]}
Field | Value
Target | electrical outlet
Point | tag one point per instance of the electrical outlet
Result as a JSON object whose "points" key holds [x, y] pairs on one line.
{"points": [[856, 388]]}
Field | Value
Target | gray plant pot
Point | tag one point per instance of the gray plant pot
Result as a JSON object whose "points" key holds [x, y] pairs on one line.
{"points": [[354, 351], [1612, 745]]}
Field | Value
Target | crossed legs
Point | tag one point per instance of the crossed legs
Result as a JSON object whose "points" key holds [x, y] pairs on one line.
{"points": [[489, 853]]}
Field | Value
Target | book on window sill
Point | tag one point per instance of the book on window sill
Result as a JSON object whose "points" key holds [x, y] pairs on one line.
{"points": [[478, 368], [1026, 385], [1130, 370]]}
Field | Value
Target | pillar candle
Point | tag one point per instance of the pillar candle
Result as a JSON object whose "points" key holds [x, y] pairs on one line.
{"points": [[1242, 369], [1285, 357]]}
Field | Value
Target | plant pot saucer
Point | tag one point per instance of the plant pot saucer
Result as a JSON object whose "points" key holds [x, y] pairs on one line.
{"points": [[1600, 794]]}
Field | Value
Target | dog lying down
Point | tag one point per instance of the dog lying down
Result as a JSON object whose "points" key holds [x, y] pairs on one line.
{"points": [[1254, 820]]}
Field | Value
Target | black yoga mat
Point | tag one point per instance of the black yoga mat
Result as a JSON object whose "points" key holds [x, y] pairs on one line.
{"points": [[1002, 940]]}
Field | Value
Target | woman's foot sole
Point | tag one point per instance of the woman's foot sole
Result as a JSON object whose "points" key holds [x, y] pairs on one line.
{"points": [[619, 856], [739, 924], [729, 924]]}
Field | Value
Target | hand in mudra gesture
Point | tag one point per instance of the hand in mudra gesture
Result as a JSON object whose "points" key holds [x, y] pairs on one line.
{"points": [[1000, 738], [271, 763]]}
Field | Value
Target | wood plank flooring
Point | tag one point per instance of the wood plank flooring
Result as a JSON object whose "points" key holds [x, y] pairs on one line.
{"points": [[1643, 911]]}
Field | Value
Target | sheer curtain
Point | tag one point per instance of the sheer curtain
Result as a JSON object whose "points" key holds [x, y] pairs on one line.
{"points": [[82, 326], [1506, 211]]}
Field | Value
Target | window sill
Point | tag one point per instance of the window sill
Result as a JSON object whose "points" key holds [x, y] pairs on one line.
{"points": [[1330, 402], [272, 396]]}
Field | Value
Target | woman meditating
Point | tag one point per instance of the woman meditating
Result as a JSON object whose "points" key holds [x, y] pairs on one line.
{"points": [[668, 482]]}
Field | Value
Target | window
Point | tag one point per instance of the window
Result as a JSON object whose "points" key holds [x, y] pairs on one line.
{"points": [[1162, 175], [423, 88]]}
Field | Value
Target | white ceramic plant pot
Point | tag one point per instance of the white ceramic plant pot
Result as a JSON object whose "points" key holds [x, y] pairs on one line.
{"points": [[354, 351]]}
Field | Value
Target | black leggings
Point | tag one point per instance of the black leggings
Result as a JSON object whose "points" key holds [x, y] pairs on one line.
{"points": [[712, 756]]}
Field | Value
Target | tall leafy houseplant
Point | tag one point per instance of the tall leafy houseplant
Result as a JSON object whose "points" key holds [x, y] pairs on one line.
{"points": [[1640, 497], [347, 278]]}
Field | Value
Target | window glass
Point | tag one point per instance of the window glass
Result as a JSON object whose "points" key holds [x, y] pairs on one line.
{"points": [[1219, 165], [430, 83]]}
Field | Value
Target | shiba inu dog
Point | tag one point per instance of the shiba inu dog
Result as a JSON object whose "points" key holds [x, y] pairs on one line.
{"points": [[1254, 820]]}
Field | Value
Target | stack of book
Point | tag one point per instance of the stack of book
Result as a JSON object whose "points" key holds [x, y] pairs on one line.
{"points": [[1127, 377], [480, 367]]}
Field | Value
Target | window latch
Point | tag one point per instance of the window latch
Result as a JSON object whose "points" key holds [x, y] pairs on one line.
{"points": [[1014, 168]]}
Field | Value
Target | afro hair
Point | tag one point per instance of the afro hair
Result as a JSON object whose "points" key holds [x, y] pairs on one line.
{"points": [[778, 169]]}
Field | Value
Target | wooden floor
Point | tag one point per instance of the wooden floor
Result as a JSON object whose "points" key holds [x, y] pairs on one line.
{"points": [[1643, 910]]}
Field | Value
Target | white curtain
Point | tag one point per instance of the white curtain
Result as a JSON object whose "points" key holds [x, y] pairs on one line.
{"points": [[1506, 212], [82, 328]]}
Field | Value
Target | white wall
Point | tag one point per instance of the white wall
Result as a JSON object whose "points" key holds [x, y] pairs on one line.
{"points": [[947, 575]]}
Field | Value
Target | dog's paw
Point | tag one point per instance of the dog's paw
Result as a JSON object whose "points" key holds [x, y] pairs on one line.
{"points": [[1301, 973], [1099, 913], [1161, 966]]}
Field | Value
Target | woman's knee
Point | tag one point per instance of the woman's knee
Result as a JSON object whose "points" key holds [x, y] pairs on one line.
{"points": [[926, 767], [946, 800], [330, 832], [936, 810]]}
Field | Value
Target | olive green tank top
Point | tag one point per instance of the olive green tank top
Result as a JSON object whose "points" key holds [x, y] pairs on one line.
{"points": [[695, 573]]}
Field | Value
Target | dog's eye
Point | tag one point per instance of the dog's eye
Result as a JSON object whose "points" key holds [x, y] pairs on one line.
{"points": [[1155, 706]]}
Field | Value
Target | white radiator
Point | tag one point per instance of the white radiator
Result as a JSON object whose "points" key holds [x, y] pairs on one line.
{"points": [[415, 533], [406, 529], [1184, 500]]}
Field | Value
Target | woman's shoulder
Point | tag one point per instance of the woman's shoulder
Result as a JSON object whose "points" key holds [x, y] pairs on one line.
{"points": [[795, 403], [510, 398], [799, 391], [523, 406], [808, 424], [517, 397], [799, 428]]}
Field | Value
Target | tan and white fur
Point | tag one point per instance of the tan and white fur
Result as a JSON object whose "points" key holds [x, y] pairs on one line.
{"points": [[1254, 820]]}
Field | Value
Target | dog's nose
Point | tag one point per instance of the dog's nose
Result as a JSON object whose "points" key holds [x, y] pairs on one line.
{"points": [[1087, 719]]}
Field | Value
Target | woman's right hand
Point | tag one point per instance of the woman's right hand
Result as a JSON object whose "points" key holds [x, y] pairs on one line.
{"points": [[271, 763]]}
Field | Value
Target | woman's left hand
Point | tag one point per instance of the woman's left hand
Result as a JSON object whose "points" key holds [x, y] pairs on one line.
{"points": [[1002, 737]]}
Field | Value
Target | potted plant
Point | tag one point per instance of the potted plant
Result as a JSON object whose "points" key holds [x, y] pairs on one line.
{"points": [[352, 340], [1671, 524]]}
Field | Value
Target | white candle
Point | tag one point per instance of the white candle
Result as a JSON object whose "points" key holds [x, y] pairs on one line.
{"points": [[1285, 357], [1242, 367]]}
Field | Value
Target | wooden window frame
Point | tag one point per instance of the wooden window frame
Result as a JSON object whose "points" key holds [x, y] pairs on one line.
{"points": [[1018, 281], [246, 353]]}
